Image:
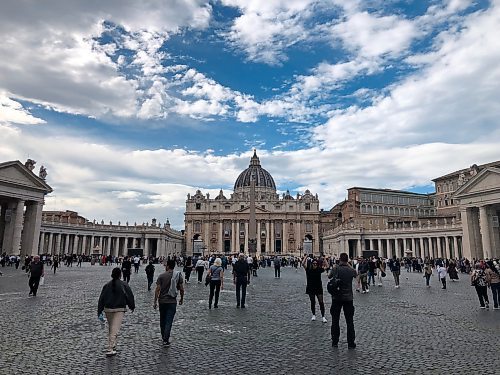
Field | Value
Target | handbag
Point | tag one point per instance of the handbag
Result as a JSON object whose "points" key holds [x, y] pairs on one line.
{"points": [[208, 278], [383, 274], [42, 280]]}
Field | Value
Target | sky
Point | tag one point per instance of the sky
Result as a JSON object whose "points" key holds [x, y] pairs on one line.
{"points": [[132, 105]]}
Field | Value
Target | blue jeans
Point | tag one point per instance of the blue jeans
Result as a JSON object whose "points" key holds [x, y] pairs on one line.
{"points": [[371, 276], [167, 313], [495, 290]]}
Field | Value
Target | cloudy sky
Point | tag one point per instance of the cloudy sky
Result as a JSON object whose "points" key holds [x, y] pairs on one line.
{"points": [[131, 105]]}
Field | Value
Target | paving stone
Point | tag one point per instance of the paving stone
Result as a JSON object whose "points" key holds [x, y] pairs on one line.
{"points": [[411, 330]]}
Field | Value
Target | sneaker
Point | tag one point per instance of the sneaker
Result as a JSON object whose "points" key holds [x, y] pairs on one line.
{"points": [[379, 284], [487, 305], [166, 344], [324, 320], [481, 307], [313, 317], [496, 308], [110, 353], [367, 290]]}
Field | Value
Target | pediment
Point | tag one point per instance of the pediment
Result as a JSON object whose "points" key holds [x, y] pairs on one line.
{"points": [[488, 180], [16, 174]]}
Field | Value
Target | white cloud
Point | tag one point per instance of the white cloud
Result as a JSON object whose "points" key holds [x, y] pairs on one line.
{"points": [[13, 112], [48, 54]]}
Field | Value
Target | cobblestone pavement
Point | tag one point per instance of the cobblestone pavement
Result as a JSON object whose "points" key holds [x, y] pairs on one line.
{"points": [[411, 330]]}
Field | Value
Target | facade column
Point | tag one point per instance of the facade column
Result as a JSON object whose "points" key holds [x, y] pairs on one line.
{"points": [[447, 252], [66, 244], [58, 243], [358, 247], [146, 246], [51, 239], [439, 248], [17, 227], [469, 244], [246, 237], [258, 237], [220, 240], [421, 248], [379, 247], [455, 247], [31, 231], [271, 238], [233, 237], [268, 237], [75, 244], [484, 224]]}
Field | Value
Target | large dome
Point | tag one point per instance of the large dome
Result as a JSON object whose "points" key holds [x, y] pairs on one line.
{"points": [[263, 179]]}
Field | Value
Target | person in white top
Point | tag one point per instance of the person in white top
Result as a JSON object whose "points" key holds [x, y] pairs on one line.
{"points": [[200, 268], [137, 263], [441, 271]]}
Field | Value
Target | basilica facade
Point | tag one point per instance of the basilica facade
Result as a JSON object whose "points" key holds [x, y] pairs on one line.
{"points": [[285, 224]]}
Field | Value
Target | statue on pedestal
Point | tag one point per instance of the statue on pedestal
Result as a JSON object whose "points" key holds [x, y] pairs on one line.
{"points": [[30, 164], [42, 173]]}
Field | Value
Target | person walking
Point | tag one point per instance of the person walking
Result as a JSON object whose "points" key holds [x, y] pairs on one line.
{"points": [[380, 269], [115, 296], [479, 280], [277, 267], [188, 267], [200, 268], [343, 299], [126, 269], [441, 272], [137, 263], [36, 273], [493, 274], [372, 269], [363, 269], [150, 273], [428, 274], [216, 274], [395, 267], [55, 264], [314, 287], [241, 276], [168, 284]]}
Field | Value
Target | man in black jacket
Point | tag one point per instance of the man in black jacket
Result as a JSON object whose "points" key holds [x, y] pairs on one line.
{"points": [[126, 269], [150, 272], [344, 299], [36, 272], [241, 277]]}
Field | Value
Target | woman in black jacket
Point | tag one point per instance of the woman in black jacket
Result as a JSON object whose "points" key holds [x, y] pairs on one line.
{"points": [[115, 296]]}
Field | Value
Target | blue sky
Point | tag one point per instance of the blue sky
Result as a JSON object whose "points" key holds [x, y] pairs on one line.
{"points": [[132, 106]]}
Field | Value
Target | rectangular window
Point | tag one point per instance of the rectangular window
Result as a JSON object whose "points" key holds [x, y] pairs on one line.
{"points": [[198, 206], [197, 227], [263, 206], [214, 207], [227, 207], [308, 206], [242, 206]]}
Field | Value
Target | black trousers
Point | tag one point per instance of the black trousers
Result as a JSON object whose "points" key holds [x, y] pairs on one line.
{"points": [[348, 307], [214, 289], [200, 271], [33, 284], [241, 290], [150, 281], [126, 277], [277, 271]]}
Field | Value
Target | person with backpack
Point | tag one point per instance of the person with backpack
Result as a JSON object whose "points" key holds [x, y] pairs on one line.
{"points": [[480, 281], [314, 288], [340, 287], [216, 275], [115, 296], [167, 285]]}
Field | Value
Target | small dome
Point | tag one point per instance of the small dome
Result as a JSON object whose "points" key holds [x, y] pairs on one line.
{"points": [[263, 178]]}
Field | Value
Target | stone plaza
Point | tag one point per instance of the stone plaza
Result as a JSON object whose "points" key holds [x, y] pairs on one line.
{"points": [[411, 330]]}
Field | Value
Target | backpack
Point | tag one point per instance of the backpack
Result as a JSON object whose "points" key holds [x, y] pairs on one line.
{"points": [[334, 284]]}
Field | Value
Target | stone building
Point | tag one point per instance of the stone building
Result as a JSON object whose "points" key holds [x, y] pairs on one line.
{"points": [[403, 223], [21, 200], [66, 232], [285, 224]]}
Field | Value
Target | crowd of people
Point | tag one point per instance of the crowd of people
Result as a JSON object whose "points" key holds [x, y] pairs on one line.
{"points": [[117, 295]]}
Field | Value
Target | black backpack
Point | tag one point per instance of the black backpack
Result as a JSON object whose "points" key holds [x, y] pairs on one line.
{"points": [[334, 284]]}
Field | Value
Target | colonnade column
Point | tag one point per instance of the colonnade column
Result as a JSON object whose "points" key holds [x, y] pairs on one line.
{"points": [[233, 237], [439, 248], [84, 245], [75, 244], [421, 249], [455, 246], [66, 244], [51, 239], [447, 253], [58, 243], [268, 238], [271, 238], [32, 224], [246, 238], [485, 231]]}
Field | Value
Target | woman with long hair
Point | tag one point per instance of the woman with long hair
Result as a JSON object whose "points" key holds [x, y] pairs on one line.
{"points": [[493, 274], [115, 296]]}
